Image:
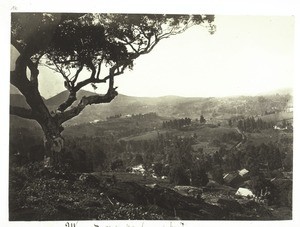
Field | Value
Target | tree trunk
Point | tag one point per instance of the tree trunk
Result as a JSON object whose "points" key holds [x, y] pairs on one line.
{"points": [[50, 124], [51, 127], [54, 145], [53, 141]]}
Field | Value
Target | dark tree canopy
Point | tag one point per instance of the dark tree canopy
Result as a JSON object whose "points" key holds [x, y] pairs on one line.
{"points": [[85, 49]]}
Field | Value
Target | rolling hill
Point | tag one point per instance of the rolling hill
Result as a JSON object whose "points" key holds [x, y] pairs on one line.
{"points": [[168, 106], [18, 100]]}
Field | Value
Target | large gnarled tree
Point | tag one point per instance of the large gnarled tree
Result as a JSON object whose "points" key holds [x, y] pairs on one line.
{"points": [[84, 49]]}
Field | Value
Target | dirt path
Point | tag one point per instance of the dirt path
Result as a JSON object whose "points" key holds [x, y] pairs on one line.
{"points": [[243, 140]]}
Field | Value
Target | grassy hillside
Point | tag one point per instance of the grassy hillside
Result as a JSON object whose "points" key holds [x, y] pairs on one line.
{"points": [[275, 117]]}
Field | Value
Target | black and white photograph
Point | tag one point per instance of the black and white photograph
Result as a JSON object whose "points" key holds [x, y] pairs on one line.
{"points": [[167, 115]]}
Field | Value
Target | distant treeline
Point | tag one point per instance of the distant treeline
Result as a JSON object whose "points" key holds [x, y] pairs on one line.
{"points": [[144, 116], [177, 123], [134, 116], [250, 124], [114, 116]]}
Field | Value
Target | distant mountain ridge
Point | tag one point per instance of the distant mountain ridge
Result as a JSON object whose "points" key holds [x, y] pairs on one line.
{"points": [[61, 97], [280, 91], [166, 106]]}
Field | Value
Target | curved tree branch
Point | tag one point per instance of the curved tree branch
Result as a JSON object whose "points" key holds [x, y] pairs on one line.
{"points": [[71, 98], [18, 77], [34, 72], [17, 45], [114, 71], [91, 79], [73, 81], [61, 71], [95, 99], [99, 68]]}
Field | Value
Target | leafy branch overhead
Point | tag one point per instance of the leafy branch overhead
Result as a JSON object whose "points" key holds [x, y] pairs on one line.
{"points": [[89, 48]]}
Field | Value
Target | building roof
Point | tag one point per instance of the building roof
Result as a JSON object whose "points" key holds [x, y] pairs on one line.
{"points": [[243, 172], [244, 192]]}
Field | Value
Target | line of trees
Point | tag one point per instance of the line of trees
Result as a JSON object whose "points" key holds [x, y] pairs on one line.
{"points": [[265, 156], [114, 117], [144, 116], [177, 123], [251, 124]]}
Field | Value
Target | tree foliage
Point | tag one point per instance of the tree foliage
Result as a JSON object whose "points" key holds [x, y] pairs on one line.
{"points": [[251, 125], [265, 190], [178, 175], [177, 123], [70, 43], [199, 176], [84, 49], [202, 120]]}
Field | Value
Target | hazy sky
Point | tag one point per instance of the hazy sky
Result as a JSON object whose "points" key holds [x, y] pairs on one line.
{"points": [[246, 55]]}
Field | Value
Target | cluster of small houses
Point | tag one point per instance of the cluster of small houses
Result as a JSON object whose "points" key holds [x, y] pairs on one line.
{"points": [[139, 169], [233, 180]]}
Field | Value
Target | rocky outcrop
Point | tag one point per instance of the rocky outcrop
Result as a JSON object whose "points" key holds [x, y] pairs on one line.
{"points": [[172, 202]]}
